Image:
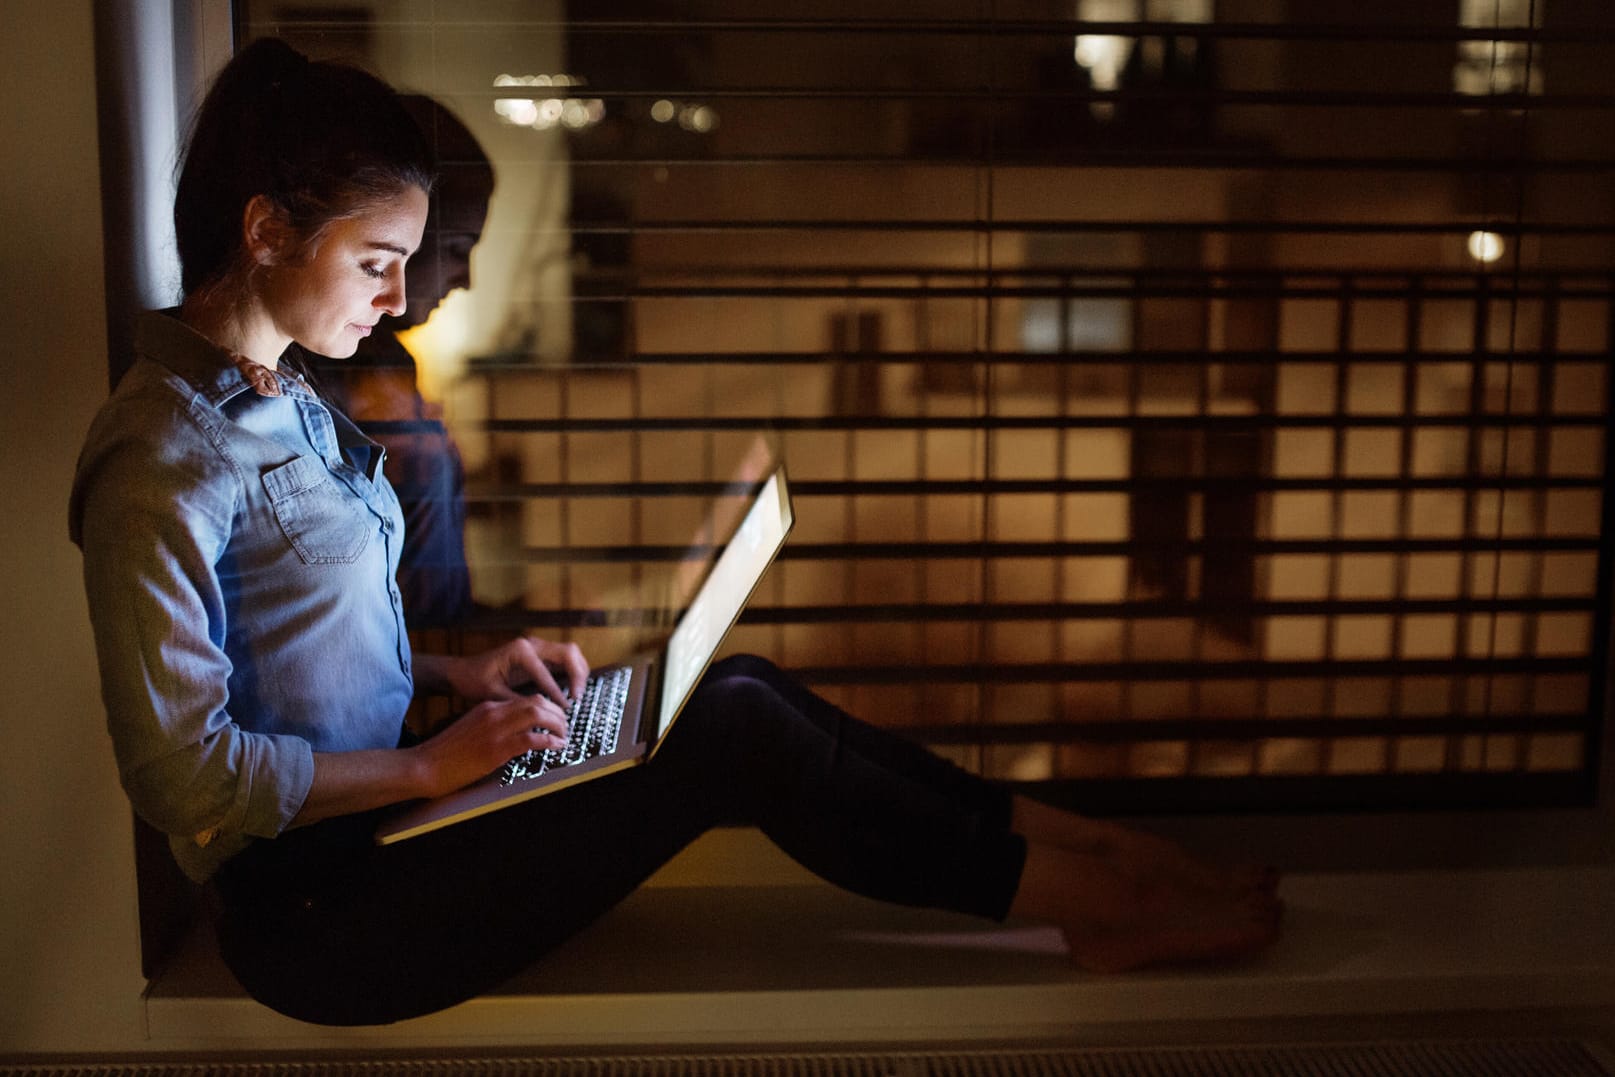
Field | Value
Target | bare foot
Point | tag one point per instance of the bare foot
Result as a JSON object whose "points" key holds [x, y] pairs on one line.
{"points": [[1153, 859], [1173, 925], [1126, 898], [1142, 854]]}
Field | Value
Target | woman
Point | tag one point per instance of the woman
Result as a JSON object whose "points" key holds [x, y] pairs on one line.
{"points": [[240, 542]]}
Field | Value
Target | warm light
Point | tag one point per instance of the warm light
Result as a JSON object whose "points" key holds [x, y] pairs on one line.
{"points": [[1498, 67], [549, 113], [537, 80], [698, 118], [440, 344], [521, 111], [1485, 246], [1104, 56], [573, 113]]}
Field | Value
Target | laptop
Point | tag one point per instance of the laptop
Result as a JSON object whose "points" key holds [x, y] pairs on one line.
{"points": [[635, 702]]}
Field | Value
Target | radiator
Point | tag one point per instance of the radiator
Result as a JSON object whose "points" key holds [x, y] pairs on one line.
{"points": [[1460, 1058]]}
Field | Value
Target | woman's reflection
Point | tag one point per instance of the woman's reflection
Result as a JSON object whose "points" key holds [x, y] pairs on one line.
{"points": [[378, 387]]}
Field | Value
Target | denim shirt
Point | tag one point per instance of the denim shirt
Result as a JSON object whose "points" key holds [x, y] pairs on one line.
{"points": [[239, 558]]}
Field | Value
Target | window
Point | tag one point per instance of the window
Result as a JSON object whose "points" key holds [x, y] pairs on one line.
{"points": [[1187, 403], [1498, 66]]}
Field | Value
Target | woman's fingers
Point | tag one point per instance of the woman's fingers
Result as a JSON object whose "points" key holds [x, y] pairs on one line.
{"points": [[514, 726], [521, 664], [549, 718], [491, 734], [539, 659], [569, 657]]}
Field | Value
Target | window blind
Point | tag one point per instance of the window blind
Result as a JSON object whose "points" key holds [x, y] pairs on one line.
{"points": [[1186, 403]]}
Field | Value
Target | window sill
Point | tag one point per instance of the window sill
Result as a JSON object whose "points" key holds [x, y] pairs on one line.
{"points": [[690, 960]]}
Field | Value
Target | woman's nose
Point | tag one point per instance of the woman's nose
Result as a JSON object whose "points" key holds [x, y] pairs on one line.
{"points": [[391, 298]]}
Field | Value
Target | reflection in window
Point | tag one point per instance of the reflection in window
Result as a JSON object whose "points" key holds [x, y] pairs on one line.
{"points": [[1498, 67], [1177, 438], [1109, 59]]}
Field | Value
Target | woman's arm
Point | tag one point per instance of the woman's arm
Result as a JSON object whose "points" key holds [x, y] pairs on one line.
{"points": [[152, 510], [504, 725], [480, 741]]}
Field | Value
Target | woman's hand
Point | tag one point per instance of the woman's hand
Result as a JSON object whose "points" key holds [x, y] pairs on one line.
{"points": [[486, 737], [509, 671]]}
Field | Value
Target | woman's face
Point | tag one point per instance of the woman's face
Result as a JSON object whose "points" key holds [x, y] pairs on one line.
{"points": [[444, 260], [329, 299]]}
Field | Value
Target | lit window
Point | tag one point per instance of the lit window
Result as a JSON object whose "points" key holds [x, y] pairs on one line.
{"points": [[1105, 56], [1498, 67]]}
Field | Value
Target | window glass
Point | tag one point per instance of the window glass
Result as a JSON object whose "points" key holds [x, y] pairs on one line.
{"points": [[1173, 392]]}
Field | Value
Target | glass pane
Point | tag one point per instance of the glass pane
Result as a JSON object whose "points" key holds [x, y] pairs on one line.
{"points": [[1207, 370]]}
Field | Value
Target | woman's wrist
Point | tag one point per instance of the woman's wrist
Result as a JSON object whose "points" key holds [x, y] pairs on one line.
{"points": [[423, 771]]}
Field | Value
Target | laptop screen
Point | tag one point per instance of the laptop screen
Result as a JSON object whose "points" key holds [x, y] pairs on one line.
{"points": [[717, 605]]}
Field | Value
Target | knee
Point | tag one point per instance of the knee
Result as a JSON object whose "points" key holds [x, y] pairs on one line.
{"points": [[743, 697], [750, 666], [715, 727], [734, 695]]}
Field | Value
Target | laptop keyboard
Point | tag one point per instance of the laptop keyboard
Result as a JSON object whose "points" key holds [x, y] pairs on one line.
{"points": [[593, 722]]}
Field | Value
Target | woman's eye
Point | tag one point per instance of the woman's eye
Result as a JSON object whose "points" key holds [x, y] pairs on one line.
{"points": [[371, 269]]}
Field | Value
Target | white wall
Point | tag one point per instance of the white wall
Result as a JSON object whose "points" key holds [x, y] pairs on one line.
{"points": [[69, 961]]}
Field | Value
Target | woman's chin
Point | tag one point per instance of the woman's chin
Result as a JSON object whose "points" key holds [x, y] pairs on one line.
{"points": [[341, 348]]}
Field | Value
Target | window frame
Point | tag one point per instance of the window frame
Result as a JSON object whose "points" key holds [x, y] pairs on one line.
{"points": [[1308, 836]]}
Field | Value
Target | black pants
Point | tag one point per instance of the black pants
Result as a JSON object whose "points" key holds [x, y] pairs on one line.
{"points": [[324, 925]]}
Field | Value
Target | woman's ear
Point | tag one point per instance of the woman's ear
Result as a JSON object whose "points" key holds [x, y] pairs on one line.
{"points": [[266, 235]]}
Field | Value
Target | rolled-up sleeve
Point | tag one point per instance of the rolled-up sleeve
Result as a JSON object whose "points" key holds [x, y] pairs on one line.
{"points": [[153, 515]]}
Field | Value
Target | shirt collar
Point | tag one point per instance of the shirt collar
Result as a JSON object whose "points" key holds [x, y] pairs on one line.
{"points": [[211, 370]]}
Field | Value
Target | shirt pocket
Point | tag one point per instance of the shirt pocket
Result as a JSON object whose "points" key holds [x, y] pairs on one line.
{"points": [[324, 522]]}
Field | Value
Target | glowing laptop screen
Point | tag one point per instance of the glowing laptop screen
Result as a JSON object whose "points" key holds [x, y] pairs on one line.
{"points": [[717, 605]]}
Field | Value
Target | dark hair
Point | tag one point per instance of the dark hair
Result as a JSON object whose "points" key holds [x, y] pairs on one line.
{"points": [[321, 140]]}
